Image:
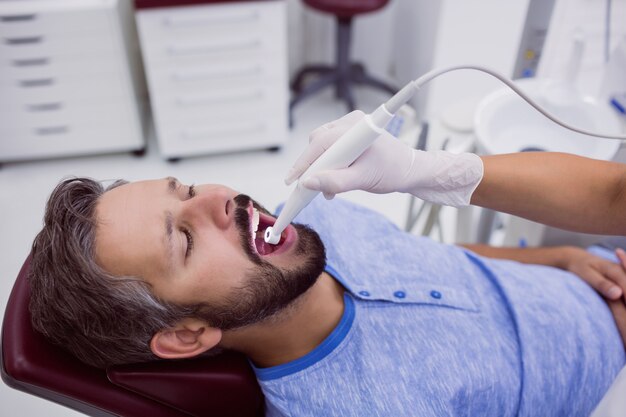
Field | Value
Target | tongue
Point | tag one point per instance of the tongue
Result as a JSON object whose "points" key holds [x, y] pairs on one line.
{"points": [[263, 247]]}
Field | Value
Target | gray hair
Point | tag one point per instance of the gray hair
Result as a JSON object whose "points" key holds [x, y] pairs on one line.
{"points": [[101, 319]]}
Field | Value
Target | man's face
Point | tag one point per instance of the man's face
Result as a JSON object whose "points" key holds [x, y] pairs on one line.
{"points": [[196, 246]]}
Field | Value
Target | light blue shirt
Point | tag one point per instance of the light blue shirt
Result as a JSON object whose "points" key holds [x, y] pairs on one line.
{"points": [[433, 330]]}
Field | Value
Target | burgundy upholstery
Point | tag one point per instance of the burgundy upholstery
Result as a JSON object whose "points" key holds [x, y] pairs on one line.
{"points": [[220, 386], [346, 8]]}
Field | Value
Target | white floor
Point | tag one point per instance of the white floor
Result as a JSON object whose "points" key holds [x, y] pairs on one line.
{"points": [[25, 186]]}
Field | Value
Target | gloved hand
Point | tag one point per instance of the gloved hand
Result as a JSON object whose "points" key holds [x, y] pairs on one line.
{"points": [[389, 165]]}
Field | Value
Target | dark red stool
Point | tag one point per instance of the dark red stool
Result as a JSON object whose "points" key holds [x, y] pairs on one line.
{"points": [[344, 73]]}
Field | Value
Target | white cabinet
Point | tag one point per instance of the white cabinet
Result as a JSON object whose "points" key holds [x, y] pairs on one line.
{"points": [[217, 75], [70, 81]]}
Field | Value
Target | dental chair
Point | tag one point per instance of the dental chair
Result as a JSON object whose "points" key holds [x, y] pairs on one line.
{"points": [[222, 385]]}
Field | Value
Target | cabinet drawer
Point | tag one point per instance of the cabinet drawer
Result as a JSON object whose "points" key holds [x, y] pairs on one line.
{"points": [[185, 106], [213, 29], [213, 124], [55, 67], [213, 48], [16, 24], [227, 135], [123, 133], [216, 114], [226, 60], [235, 16], [50, 46], [65, 113], [62, 88], [211, 76]]}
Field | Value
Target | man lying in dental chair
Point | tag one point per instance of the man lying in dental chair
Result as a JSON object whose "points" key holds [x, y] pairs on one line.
{"points": [[346, 316]]}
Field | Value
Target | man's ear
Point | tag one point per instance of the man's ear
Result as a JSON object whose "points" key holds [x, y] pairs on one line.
{"points": [[188, 338]]}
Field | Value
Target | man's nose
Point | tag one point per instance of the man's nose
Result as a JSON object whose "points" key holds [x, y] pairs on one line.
{"points": [[210, 204]]}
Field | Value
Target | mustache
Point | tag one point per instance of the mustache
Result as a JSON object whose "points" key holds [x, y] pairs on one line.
{"points": [[243, 201]]}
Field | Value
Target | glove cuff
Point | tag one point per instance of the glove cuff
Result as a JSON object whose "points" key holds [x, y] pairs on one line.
{"points": [[446, 178]]}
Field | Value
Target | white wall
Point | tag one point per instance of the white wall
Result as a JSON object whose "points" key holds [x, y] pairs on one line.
{"points": [[416, 24], [483, 32]]}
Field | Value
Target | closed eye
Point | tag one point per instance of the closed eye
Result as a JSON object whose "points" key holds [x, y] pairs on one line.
{"points": [[189, 238], [191, 192]]}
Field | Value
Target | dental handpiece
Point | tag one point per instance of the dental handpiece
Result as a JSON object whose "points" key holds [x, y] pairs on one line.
{"points": [[357, 139], [340, 155]]}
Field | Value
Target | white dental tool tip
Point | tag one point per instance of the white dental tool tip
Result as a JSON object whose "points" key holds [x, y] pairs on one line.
{"points": [[270, 237]]}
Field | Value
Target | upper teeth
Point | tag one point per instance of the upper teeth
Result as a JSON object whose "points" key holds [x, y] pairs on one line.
{"points": [[255, 221]]}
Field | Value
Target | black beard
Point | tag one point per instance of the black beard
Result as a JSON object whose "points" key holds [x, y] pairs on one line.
{"points": [[268, 289]]}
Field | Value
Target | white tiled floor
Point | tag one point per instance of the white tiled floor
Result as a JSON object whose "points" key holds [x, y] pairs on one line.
{"points": [[25, 186]]}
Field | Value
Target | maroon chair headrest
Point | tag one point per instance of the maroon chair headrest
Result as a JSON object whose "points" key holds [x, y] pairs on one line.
{"points": [[222, 385]]}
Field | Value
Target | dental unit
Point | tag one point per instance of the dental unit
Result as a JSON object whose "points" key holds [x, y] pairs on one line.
{"points": [[357, 139]]}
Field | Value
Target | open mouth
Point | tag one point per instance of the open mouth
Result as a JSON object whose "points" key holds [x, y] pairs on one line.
{"points": [[258, 223]]}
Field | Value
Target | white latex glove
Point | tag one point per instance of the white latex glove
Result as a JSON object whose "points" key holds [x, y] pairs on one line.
{"points": [[389, 165]]}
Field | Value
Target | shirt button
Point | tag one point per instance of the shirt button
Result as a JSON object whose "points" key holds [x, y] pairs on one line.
{"points": [[364, 293], [399, 294], [435, 294]]}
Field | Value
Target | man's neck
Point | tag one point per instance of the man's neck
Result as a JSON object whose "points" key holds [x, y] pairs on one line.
{"points": [[296, 331]]}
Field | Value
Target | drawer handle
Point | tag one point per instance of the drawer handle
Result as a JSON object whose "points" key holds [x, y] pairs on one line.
{"points": [[182, 22], [41, 107], [52, 130], [17, 18], [42, 82], [208, 74], [23, 41], [222, 132], [32, 62], [192, 101], [224, 46]]}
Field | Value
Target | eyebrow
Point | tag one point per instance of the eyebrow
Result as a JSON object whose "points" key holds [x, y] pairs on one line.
{"points": [[169, 232], [172, 185]]}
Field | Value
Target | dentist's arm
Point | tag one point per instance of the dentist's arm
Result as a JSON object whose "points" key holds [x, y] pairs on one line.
{"points": [[562, 190]]}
